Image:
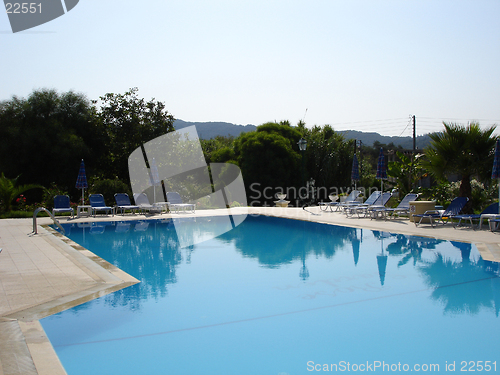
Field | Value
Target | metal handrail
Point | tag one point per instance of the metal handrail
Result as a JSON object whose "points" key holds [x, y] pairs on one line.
{"points": [[56, 222]]}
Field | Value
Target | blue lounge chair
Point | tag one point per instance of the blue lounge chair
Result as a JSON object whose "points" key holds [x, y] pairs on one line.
{"points": [[366, 210], [494, 223], [403, 208], [175, 203], [350, 210], [97, 204], [123, 203], [490, 211], [453, 209], [349, 200], [62, 204]]}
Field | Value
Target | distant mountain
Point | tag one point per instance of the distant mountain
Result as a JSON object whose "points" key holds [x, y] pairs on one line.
{"points": [[208, 130], [368, 139]]}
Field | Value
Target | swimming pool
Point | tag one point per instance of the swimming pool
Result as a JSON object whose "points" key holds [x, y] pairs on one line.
{"points": [[280, 296]]}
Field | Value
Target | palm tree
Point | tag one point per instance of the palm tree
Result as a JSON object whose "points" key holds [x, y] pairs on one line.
{"points": [[464, 150], [9, 191]]}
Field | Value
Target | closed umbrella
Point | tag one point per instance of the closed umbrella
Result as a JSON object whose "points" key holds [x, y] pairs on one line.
{"points": [[355, 170], [81, 181], [382, 265], [495, 173], [155, 178], [381, 170], [382, 258]]}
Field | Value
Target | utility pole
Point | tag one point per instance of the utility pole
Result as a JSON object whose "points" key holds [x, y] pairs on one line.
{"points": [[414, 135], [414, 150]]}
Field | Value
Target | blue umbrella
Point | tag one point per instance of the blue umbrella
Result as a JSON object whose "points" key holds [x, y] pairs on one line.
{"points": [[495, 173], [381, 170], [355, 170], [81, 181]]}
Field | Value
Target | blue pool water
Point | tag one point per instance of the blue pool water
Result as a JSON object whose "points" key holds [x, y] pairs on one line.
{"points": [[278, 296]]}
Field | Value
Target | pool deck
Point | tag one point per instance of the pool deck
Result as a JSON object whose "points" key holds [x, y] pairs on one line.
{"points": [[46, 273]]}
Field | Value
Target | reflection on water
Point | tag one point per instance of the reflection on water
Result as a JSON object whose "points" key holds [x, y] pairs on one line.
{"points": [[149, 250], [274, 294]]}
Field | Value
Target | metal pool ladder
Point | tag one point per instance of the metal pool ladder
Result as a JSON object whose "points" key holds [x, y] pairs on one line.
{"points": [[56, 222]]}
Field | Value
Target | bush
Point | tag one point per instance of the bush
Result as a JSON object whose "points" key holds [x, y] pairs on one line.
{"points": [[48, 196], [108, 188], [444, 192]]}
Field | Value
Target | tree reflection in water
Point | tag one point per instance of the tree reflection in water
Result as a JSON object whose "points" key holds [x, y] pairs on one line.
{"points": [[455, 283], [454, 280], [262, 238], [152, 258], [463, 284]]}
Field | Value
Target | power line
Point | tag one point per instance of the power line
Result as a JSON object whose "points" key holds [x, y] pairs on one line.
{"points": [[409, 122], [426, 124]]}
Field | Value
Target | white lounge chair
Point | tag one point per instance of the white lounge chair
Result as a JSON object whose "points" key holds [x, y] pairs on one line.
{"points": [[175, 203], [142, 201]]}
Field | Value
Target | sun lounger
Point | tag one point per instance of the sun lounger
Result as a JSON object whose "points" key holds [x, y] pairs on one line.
{"points": [[123, 203], [494, 223], [435, 215], [142, 201], [350, 209], [97, 204], [365, 210], [403, 208], [323, 206], [175, 203], [349, 200], [489, 212], [62, 204]]}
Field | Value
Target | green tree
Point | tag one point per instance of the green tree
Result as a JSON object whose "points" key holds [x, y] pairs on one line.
{"points": [[9, 190], [45, 136], [406, 172], [130, 121], [463, 150], [283, 129], [329, 159], [268, 158], [218, 149]]}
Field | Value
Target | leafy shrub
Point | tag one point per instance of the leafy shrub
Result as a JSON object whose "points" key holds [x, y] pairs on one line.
{"points": [[108, 188], [444, 192], [49, 194]]}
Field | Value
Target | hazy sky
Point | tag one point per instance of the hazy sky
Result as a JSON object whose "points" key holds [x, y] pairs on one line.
{"points": [[354, 64]]}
